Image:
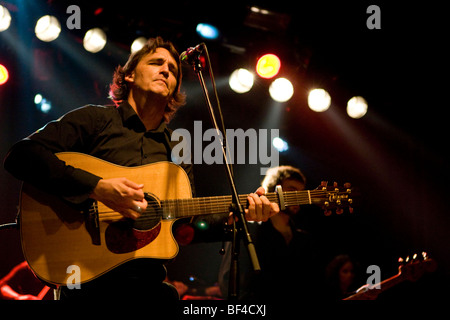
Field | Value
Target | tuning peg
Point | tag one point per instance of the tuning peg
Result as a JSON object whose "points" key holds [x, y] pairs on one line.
{"points": [[401, 261], [336, 186], [327, 213], [424, 255], [347, 185], [324, 185], [339, 211], [350, 209]]}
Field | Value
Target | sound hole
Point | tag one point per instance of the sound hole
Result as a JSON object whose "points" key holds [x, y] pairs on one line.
{"points": [[151, 217], [129, 235]]}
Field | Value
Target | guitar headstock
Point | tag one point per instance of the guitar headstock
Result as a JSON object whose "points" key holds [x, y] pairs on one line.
{"points": [[412, 268], [335, 198]]}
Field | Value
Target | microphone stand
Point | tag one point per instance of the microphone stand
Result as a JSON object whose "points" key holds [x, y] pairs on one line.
{"points": [[239, 227]]}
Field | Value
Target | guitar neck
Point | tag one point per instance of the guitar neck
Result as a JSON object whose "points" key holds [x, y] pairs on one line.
{"points": [[371, 294], [179, 208], [390, 282]]}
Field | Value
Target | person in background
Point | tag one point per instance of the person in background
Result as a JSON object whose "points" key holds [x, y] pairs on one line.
{"points": [[341, 278], [286, 253]]}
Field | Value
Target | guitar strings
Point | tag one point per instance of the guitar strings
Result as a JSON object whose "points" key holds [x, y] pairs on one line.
{"points": [[212, 205], [177, 208]]}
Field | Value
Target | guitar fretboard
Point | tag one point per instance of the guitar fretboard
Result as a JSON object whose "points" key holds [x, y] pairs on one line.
{"points": [[178, 208]]}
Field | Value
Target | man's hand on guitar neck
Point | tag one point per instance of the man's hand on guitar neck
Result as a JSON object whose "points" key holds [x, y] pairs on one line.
{"points": [[121, 195], [259, 207]]}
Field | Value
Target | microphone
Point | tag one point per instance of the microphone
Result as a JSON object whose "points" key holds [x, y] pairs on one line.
{"points": [[188, 55]]}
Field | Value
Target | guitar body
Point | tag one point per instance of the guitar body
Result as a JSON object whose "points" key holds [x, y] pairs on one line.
{"points": [[55, 236]]}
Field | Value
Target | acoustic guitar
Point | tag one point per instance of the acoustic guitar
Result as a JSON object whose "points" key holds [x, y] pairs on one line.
{"points": [[55, 236]]}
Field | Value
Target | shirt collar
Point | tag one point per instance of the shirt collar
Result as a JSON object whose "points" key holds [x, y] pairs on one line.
{"points": [[129, 116]]}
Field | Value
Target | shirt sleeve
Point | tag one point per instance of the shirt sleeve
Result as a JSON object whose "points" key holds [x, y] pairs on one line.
{"points": [[33, 159]]}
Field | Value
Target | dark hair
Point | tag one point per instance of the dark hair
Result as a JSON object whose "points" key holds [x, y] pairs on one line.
{"points": [[277, 175], [332, 269], [119, 89], [332, 278]]}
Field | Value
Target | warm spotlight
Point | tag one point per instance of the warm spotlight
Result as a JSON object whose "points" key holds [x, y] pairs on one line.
{"points": [[241, 80], [138, 44], [319, 100], [94, 40], [47, 28], [268, 66], [357, 107], [5, 18], [281, 90], [4, 74]]}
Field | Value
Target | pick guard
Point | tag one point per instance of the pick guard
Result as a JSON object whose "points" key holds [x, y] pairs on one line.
{"points": [[121, 237]]}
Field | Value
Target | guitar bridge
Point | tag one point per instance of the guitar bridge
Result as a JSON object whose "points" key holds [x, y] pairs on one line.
{"points": [[92, 224]]}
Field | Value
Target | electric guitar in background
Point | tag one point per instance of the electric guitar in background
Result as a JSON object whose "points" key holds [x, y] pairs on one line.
{"points": [[409, 270], [55, 236]]}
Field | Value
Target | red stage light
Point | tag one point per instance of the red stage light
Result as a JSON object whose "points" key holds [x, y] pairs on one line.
{"points": [[98, 11]]}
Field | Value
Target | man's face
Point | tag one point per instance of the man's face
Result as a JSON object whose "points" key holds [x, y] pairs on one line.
{"points": [[156, 73]]}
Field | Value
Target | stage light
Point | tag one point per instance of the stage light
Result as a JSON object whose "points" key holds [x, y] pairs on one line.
{"points": [[281, 90], [258, 10], [98, 11], [138, 44], [207, 31], [268, 66], [5, 19], [42, 104], [280, 144], [241, 80], [45, 106], [357, 107], [94, 40], [38, 98], [319, 100], [4, 74], [47, 28]]}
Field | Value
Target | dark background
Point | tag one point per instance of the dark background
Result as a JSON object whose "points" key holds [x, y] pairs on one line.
{"points": [[396, 155]]}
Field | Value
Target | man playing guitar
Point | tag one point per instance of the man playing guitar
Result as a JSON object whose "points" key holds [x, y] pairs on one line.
{"points": [[146, 91]]}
